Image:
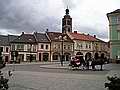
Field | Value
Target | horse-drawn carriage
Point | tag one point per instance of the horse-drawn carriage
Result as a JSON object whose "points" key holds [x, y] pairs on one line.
{"points": [[78, 62]]}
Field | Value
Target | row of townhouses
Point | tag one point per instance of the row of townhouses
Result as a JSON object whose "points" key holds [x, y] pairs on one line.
{"points": [[50, 46]]}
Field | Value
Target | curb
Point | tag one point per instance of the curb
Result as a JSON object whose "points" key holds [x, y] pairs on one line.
{"points": [[52, 68], [32, 64]]}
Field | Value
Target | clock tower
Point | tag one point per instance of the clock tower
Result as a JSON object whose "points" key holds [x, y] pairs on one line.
{"points": [[66, 22]]}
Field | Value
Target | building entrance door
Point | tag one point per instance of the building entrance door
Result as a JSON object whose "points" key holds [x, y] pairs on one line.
{"points": [[6, 58], [39, 56], [45, 56]]}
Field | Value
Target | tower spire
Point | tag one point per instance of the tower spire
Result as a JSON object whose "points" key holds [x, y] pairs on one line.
{"points": [[67, 6], [67, 10], [67, 22]]}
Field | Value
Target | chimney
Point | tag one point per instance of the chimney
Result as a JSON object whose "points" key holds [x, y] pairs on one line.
{"points": [[22, 32], [94, 36], [75, 32], [47, 30], [35, 32]]}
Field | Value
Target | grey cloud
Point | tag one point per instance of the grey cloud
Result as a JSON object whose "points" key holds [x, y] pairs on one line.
{"points": [[17, 17], [68, 3], [71, 3], [92, 31], [32, 15]]}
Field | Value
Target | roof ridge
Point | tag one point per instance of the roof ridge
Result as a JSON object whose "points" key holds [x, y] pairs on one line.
{"points": [[54, 32]]}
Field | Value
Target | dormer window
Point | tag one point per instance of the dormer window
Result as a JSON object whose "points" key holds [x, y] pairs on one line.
{"points": [[65, 37], [30, 39], [60, 37], [56, 38]]}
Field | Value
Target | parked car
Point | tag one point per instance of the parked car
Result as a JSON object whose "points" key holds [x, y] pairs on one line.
{"points": [[117, 59]]}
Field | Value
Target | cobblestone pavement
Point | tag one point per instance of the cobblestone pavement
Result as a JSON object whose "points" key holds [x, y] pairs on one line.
{"points": [[25, 80], [32, 77]]}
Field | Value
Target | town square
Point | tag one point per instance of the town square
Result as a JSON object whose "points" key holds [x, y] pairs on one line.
{"points": [[59, 45]]}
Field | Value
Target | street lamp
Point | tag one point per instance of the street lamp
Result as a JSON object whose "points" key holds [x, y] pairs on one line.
{"points": [[30, 53], [62, 57], [62, 38]]}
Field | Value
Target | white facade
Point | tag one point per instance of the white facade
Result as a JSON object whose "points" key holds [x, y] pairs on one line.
{"points": [[6, 53], [43, 50], [82, 46], [24, 51]]}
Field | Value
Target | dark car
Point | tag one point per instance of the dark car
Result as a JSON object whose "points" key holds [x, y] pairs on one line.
{"points": [[117, 60]]}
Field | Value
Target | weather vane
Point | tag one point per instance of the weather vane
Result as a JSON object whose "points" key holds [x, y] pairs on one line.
{"points": [[67, 10]]}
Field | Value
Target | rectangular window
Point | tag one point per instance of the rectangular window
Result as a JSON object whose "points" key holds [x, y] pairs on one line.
{"points": [[34, 48], [28, 47], [55, 46], [81, 46], [13, 47], [46, 46], [20, 47], [78, 46], [69, 47], [59, 46], [118, 35], [114, 20], [31, 57], [68, 22], [42, 46], [64, 46], [7, 49], [118, 27], [64, 22], [86, 46], [1, 49], [89, 46], [118, 20], [68, 29]]}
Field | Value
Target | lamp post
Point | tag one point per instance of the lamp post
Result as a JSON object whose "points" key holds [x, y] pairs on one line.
{"points": [[62, 50], [62, 57], [30, 53]]}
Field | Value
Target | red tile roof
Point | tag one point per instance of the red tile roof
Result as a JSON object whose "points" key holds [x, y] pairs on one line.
{"points": [[55, 36], [83, 37]]}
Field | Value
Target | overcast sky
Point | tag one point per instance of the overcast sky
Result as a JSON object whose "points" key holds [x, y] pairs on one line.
{"points": [[89, 16]]}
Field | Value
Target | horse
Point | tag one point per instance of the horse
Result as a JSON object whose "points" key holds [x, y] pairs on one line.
{"points": [[99, 61]]}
